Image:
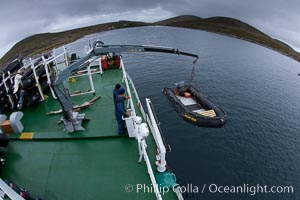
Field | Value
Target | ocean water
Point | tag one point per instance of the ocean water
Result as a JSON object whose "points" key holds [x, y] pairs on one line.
{"points": [[258, 88]]}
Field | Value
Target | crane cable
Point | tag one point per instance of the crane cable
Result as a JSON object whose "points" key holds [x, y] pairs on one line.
{"points": [[193, 71], [191, 78]]}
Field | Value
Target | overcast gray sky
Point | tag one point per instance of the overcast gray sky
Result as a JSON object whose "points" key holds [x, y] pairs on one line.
{"points": [[22, 18]]}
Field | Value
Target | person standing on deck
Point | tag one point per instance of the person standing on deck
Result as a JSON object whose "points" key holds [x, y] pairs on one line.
{"points": [[120, 110], [116, 92]]}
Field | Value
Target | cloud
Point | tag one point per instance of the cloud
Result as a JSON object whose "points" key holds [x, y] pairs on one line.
{"points": [[24, 18], [148, 15], [279, 19], [283, 27]]}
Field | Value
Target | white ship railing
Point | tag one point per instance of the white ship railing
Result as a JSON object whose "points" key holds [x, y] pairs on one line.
{"points": [[161, 158], [136, 95], [36, 77], [6, 190], [46, 64], [125, 79], [52, 59], [62, 61], [140, 131], [144, 154]]}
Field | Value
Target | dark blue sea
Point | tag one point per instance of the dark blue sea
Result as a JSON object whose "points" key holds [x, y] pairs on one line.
{"points": [[258, 88]]}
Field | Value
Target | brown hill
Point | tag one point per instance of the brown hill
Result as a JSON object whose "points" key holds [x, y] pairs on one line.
{"points": [[234, 28], [39, 43]]}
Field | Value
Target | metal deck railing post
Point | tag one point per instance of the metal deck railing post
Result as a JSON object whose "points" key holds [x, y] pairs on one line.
{"points": [[36, 78], [7, 88], [46, 62]]}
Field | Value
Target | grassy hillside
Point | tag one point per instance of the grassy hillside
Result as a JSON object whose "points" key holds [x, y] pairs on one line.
{"points": [[44, 42], [232, 27]]}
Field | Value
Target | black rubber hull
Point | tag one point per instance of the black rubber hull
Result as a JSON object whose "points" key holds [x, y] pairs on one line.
{"points": [[192, 117]]}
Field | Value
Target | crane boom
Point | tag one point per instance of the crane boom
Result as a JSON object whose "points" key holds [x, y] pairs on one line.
{"points": [[72, 120]]}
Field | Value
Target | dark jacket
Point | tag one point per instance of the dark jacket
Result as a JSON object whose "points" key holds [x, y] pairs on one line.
{"points": [[115, 94], [119, 106]]}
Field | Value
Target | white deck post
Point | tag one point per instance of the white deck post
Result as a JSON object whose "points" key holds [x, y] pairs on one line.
{"points": [[37, 80], [100, 65], [66, 56], [91, 79]]}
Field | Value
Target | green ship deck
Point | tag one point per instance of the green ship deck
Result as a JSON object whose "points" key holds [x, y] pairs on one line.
{"points": [[91, 164]]}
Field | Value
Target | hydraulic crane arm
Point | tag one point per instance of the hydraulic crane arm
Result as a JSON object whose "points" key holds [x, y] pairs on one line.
{"points": [[104, 49], [99, 49]]}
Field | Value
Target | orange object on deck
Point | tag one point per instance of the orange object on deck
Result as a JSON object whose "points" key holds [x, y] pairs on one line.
{"points": [[117, 61], [110, 62], [6, 127], [104, 62]]}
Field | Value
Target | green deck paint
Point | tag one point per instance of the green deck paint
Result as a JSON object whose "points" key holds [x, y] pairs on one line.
{"points": [[91, 164]]}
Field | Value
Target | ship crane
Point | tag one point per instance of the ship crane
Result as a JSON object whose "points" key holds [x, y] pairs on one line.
{"points": [[72, 120]]}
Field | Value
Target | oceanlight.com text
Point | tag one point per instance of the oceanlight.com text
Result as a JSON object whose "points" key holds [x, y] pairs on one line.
{"points": [[250, 189]]}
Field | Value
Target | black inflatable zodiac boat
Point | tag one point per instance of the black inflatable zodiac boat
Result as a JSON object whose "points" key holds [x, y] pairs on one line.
{"points": [[194, 107]]}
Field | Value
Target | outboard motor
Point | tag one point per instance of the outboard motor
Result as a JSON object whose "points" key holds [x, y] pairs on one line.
{"points": [[180, 85]]}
